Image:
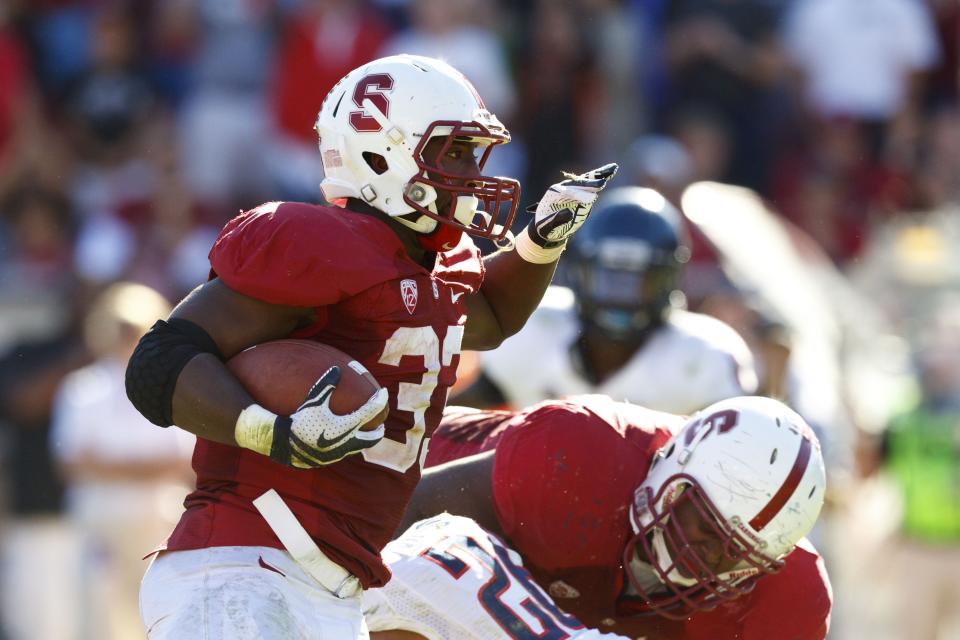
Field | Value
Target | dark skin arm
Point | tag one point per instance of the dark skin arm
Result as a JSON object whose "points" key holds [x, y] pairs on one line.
{"points": [[461, 487], [208, 399], [511, 291]]}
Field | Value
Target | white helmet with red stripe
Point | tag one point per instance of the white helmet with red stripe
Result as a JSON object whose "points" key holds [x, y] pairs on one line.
{"points": [[751, 470], [391, 108]]}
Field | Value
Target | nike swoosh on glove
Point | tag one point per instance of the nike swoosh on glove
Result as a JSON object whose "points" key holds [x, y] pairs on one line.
{"points": [[313, 435]]}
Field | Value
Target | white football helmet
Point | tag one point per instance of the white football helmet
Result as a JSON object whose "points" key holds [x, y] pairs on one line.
{"points": [[752, 469], [392, 107]]}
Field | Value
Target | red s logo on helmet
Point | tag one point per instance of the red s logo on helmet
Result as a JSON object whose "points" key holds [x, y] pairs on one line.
{"points": [[723, 420], [371, 87]]}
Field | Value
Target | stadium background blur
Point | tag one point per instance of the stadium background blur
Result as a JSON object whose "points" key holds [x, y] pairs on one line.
{"points": [[130, 131]]}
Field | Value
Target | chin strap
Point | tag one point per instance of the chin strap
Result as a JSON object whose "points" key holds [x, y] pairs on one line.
{"points": [[421, 224]]}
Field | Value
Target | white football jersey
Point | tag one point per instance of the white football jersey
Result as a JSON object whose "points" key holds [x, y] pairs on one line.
{"points": [[452, 580], [690, 362]]}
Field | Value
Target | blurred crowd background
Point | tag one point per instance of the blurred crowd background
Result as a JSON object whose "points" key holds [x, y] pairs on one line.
{"points": [[821, 137]]}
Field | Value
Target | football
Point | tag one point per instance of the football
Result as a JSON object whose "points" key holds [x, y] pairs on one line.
{"points": [[278, 374]]}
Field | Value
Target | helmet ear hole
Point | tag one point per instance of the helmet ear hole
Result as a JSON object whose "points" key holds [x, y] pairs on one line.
{"points": [[376, 162]]}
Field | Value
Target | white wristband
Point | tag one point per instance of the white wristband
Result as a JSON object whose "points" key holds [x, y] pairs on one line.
{"points": [[254, 429], [534, 253]]}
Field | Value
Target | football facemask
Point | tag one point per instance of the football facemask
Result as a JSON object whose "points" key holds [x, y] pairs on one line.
{"points": [[475, 201], [693, 574]]}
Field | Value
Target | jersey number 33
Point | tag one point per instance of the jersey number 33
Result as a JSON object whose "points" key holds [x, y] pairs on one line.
{"points": [[412, 397]]}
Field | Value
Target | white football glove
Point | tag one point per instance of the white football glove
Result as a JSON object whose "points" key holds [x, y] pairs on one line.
{"points": [[312, 436], [561, 212]]}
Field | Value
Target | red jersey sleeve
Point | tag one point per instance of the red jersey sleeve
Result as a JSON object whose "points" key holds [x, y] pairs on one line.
{"points": [[793, 604], [564, 476], [305, 255]]}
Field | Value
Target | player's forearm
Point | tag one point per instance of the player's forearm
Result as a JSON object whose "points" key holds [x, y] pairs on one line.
{"points": [[514, 287], [208, 400], [177, 373], [461, 487], [211, 403]]}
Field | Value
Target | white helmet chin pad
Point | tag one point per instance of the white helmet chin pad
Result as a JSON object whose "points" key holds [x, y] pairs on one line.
{"points": [[467, 208], [465, 211]]}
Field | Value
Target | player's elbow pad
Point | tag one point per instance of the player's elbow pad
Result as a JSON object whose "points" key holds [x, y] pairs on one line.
{"points": [[156, 363]]}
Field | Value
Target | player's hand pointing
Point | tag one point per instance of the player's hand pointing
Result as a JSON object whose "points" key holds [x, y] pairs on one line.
{"points": [[561, 212]]}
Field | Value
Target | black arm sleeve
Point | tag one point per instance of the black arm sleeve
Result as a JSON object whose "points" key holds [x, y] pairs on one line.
{"points": [[156, 363]]}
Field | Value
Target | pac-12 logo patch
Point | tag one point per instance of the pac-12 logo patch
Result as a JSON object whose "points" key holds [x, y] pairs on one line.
{"points": [[408, 289]]}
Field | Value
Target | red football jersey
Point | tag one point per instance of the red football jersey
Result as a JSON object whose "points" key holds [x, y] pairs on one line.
{"points": [[402, 322], [564, 474]]}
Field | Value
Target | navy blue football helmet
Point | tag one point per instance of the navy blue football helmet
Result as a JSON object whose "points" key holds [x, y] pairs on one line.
{"points": [[625, 263]]}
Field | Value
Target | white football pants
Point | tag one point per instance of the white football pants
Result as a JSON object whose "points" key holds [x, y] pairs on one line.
{"points": [[242, 593]]}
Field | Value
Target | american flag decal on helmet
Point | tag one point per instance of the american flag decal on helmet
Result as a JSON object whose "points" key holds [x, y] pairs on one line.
{"points": [[331, 158]]}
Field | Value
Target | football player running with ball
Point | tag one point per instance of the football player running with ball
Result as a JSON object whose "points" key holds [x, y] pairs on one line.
{"points": [[389, 275], [593, 515]]}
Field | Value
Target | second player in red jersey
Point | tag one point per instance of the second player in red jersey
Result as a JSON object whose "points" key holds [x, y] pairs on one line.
{"points": [[630, 540]]}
